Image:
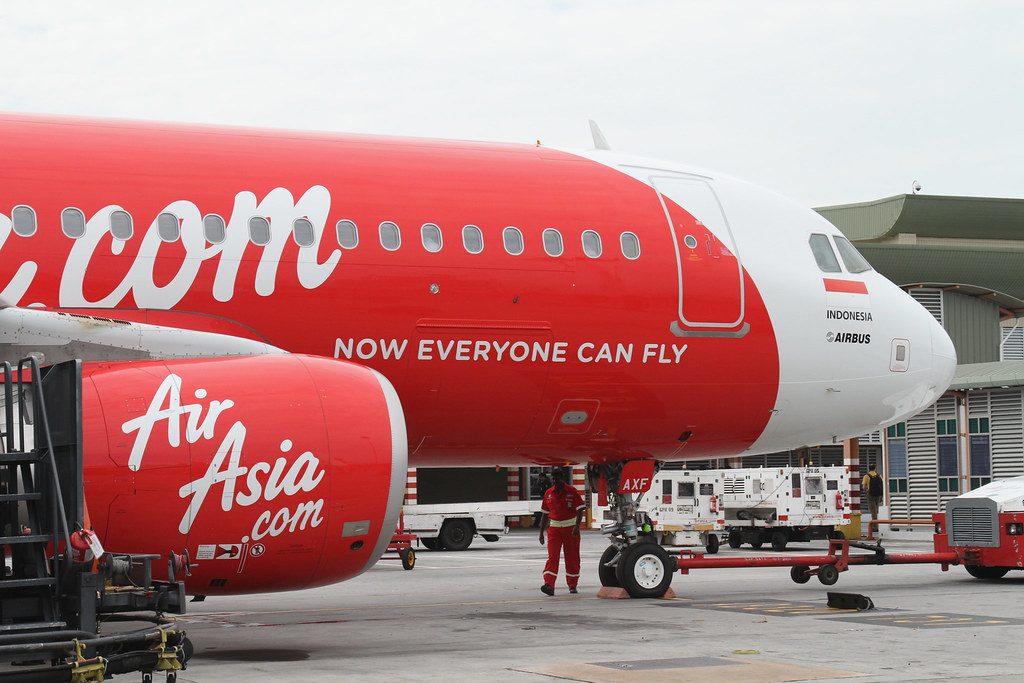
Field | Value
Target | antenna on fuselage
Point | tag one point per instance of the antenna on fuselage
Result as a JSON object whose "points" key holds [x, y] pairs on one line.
{"points": [[599, 140]]}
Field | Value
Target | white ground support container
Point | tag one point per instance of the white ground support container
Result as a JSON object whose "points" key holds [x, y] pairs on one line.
{"points": [[783, 504], [451, 526], [684, 508]]}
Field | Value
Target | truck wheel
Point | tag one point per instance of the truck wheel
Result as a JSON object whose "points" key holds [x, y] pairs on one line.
{"points": [[607, 574], [735, 539], [828, 574], [800, 573], [645, 570], [429, 543], [779, 540], [756, 544], [456, 534], [712, 544], [836, 534], [979, 572], [408, 557]]}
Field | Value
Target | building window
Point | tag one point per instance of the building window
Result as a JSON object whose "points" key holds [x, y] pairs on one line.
{"points": [[23, 220], [302, 232], [981, 451], [896, 437], [591, 243], [431, 236], [823, 254], [630, 244], [513, 240], [72, 223], [348, 234], [213, 228], [168, 227], [390, 236], [552, 242], [949, 470], [472, 239]]}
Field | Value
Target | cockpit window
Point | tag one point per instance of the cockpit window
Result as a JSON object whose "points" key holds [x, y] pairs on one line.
{"points": [[854, 262], [823, 254]]}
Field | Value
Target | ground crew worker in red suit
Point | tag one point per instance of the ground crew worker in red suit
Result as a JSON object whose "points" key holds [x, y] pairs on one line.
{"points": [[561, 514]]}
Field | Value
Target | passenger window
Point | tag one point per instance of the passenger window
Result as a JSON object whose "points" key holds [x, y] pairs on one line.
{"points": [[302, 232], [168, 227], [513, 240], [348, 234], [121, 225], [390, 236], [472, 239], [431, 236], [213, 228], [823, 254], [552, 242], [23, 219], [591, 243], [259, 231], [630, 244], [854, 262], [72, 223]]}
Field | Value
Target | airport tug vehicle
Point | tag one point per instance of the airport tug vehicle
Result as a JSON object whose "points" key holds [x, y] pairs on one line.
{"points": [[981, 530]]}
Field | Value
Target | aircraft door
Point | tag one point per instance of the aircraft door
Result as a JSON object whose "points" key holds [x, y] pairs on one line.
{"points": [[709, 270]]}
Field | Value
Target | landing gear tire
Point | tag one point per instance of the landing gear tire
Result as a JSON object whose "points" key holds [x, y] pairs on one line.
{"points": [[799, 573], [735, 539], [712, 544], [408, 557], [608, 575], [980, 572], [645, 570], [456, 534], [828, 574], [779, 540]]}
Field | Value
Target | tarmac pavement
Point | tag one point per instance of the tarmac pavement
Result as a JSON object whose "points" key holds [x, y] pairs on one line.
{"points": [[479, 615]]}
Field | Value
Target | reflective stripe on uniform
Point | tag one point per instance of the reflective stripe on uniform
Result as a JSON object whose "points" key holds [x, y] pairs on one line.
{"points": [[560, 523]]}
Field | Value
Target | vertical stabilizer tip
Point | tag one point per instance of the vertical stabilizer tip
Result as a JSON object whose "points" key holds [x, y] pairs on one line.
{"points": [[599, 140]]}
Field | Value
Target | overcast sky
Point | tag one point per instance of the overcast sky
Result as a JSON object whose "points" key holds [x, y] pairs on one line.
{"points": [[827, 102]]}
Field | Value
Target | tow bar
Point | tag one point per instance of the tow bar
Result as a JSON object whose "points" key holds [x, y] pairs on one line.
{"points": [[825, 567]]}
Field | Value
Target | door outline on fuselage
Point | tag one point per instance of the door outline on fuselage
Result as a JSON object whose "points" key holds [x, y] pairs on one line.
{"points": [[693, 195]]}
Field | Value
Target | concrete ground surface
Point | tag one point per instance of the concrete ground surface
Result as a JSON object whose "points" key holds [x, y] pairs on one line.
{"points": [[479, 615]]}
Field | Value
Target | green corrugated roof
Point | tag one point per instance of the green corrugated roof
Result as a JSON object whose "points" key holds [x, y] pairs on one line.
{"points": [[930, 216], [986, 375]]}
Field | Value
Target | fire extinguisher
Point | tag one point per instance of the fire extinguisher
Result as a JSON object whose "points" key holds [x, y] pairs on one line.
{"points": [[839, 501], [84, 545], [714, 503]]}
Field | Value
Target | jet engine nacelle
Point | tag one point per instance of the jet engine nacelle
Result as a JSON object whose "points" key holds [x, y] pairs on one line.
{"points": [[274, 472]]}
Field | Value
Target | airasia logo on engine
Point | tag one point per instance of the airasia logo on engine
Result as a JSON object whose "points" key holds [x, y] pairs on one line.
{"points": [[242, 485]]}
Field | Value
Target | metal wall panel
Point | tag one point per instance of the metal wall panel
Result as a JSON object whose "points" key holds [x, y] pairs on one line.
{"points": [[973, 325], [1007, 429]]}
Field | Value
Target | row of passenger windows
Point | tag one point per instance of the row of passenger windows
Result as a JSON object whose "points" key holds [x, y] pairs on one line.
{"points": [[826, 259], [72, 222]]}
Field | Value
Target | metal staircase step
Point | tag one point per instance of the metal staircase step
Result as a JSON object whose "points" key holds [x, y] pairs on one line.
{"points": [[18, 457], [27, 538], [26, 583], [10, 497]]}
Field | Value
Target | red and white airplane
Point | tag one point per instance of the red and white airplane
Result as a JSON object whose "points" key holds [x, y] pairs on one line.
{"points": [[276, 324]]}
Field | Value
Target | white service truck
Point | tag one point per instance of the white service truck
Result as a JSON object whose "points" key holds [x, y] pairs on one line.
{"points": [[778, 505], [452, 526], [684, 507]]}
